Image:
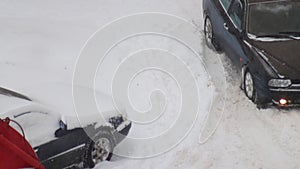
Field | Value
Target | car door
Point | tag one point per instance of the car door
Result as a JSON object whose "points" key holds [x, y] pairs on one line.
{"points": [[233, 36], [216, 10]]}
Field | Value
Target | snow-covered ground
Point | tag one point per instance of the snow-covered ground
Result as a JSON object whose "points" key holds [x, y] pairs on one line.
{"points": [[40, 42]]}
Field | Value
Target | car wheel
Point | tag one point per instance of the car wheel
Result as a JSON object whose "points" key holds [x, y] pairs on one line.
{"points": [[249, 86], [251, 92], [209, 35], [99, 150]]}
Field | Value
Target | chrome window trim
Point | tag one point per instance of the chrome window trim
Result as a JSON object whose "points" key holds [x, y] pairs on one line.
{"points": [[65, 152], [285, 90], [266, 2]]}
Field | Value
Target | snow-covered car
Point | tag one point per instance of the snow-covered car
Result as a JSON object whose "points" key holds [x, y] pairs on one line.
{"points": [[262, 38], [58, 144]]}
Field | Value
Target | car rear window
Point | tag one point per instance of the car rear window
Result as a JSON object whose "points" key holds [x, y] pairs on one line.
{"points": [[274, 18]]}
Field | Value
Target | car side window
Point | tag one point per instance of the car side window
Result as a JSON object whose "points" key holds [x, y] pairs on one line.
{"points": [[236, 13], [226, 3]]}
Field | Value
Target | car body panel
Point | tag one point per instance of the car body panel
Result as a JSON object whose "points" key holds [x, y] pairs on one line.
{"points": [[229, 41], [283, 55]]}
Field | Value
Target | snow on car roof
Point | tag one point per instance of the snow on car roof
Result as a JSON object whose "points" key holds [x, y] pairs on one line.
{"points": [[8, 103], [59, 102], [58, 98]]}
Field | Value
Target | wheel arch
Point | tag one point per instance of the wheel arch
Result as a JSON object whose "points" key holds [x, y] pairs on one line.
{"points": [[106, 130]]}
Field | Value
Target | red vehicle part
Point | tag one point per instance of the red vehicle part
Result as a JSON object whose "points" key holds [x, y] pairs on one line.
{"points": [[15, 151]]}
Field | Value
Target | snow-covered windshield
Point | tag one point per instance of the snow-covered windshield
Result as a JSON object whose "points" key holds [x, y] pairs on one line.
{"points": [[274, 18]]}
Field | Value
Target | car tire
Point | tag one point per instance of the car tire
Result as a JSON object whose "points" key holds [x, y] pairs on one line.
{"points": [[210, 36], [98, 150], [250, 89]]}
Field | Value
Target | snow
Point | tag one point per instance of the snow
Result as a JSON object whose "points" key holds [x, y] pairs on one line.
{"points": [[40, 42], [8, 103]]}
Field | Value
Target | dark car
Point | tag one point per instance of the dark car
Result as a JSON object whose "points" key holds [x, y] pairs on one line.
{"points": [[56, 143], [262, 38]]}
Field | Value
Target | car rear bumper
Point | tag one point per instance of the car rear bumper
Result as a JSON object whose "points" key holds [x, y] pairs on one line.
{"points": [[122, 131], [291, 96], [125, 130], [274, 95]]}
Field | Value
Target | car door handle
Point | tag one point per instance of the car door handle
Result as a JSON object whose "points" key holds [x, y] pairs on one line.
{"points": [[225, 26]]}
